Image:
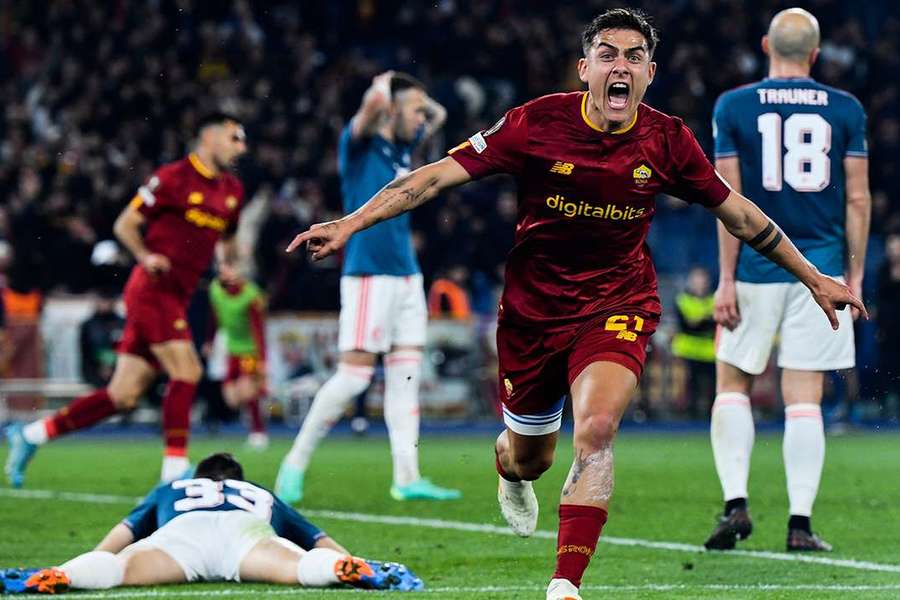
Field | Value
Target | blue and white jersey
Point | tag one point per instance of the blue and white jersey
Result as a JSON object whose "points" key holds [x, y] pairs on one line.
{"points": [[366, 165], [792, 136], [171, 500]]}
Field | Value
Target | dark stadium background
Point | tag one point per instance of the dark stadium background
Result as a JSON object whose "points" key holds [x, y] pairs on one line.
{"points": [[96, 94]]}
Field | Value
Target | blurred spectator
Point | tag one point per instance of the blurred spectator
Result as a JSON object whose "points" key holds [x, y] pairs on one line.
{"points": [[99, 336], [94, 94], [694, 343], [888, 319], [447, 297], [25, 357]]}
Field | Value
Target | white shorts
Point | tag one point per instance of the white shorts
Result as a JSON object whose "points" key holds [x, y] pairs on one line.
{"points": [[381, 311], [210, 545], [785, 311]]}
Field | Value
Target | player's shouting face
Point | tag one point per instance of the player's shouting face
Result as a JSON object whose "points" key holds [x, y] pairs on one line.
{"points": [[617, 68]]}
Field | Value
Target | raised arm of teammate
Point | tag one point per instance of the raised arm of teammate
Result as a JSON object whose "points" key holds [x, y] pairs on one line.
{"points": [[436, 116], [747, 222], [403, 194], [375, 103], [727, 311], [859, 212], [128, 230]]}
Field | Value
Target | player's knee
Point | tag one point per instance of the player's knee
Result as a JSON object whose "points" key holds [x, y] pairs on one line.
{"points": [[530, 468], [124, 395], [596, 431], [189, 372], [231, 398], [354, 379]]}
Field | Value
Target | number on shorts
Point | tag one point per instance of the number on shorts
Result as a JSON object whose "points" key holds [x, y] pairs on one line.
{"points": [[620, 323], [206, 493], [807, 139]]}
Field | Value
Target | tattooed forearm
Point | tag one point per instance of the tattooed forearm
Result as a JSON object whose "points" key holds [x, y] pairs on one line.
{"points": [[763, 243], [403, 194]]}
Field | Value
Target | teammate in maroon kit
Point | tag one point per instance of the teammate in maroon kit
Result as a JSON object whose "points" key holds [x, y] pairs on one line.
{"points": [[580, 300], [185, 208]]}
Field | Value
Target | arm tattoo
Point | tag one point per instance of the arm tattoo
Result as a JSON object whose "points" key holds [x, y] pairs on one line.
{"points": [[762, 235], [766, 248], [400, 195]]}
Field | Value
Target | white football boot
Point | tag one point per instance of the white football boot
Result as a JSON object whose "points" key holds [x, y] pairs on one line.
{"points": [[519, 506], [562, 589]]}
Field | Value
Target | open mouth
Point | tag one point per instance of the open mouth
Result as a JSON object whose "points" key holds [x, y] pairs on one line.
{"points": [[617, 95]]}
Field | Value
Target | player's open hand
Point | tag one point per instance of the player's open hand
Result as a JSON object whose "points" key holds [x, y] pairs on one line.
{"points": [[727, 314], [324, 239], [832, 295], [156, 263]]}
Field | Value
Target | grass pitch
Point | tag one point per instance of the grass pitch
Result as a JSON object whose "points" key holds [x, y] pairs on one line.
{"points": [[666, 492]]}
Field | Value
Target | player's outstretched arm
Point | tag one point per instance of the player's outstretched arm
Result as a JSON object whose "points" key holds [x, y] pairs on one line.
{"points": [[401, 195], [745, 221]]}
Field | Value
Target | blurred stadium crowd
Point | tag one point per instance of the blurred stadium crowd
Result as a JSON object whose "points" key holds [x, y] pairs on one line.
{"points": [[95, 95]]}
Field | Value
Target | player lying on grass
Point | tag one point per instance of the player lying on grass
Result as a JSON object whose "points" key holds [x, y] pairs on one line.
{"points": [[215, 526], [580, 299]]}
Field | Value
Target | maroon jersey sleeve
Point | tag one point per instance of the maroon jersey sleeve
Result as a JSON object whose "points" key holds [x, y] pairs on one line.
{"points": [[500, 149], [157, 193], [696, 180]]}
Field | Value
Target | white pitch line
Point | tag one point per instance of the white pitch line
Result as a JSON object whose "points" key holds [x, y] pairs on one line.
{"points": [[649, 587], [482, 528]]}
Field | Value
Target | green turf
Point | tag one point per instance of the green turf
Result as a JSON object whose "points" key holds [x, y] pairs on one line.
{"points": [[666, 490]]}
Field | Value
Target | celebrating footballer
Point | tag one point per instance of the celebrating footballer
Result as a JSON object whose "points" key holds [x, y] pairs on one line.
{"points": [[580, 299]]}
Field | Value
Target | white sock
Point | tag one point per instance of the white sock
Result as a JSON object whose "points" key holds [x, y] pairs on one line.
{"points": [[804, 455], [173, 467], [514, 488], [329, 404], [402, 372], [316, 567], [95, 571], [732, 435], [36, 432]]}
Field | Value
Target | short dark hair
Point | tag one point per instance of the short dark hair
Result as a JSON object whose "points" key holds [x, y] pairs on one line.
{"points": [[218, 467], [403, 81], [217, 117], [620, 18]]}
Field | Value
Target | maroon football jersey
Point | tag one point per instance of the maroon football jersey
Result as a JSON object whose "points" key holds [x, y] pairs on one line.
{"points": [[586, 199], [187, 208]]}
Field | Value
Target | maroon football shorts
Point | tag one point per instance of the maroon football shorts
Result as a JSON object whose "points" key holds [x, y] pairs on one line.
{"points": [[241, 365], [537, 367], [152, 316]]}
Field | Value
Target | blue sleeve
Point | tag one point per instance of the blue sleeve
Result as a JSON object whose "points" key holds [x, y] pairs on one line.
{"points": [[856, 135], [290, 524], [724, 133], [142, 520]]}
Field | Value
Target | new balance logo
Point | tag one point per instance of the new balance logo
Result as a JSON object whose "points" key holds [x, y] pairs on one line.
{"points": [[563, 168]]}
